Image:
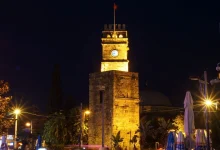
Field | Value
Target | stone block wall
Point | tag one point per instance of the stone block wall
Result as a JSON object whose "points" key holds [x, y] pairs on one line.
{"points": [[121, 106]]}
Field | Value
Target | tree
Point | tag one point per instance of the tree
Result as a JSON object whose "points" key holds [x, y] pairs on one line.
{"points": [[62, 128], [143, 129], [116, 140], [4, 107], [178, 122], [155, 130]]}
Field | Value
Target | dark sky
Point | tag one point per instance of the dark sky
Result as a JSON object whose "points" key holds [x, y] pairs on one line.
{"points": [[169, 40]]}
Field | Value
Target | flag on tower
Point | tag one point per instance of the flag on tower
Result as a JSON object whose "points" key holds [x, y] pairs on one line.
{"points": [[115, 6]]}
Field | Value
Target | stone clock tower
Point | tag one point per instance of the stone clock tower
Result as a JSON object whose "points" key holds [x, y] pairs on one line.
{"points": [[113, 93]]}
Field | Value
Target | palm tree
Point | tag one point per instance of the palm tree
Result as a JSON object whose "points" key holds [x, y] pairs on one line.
{"points": [[154, 130], [116, 140], [144, 129], [134, 140]]}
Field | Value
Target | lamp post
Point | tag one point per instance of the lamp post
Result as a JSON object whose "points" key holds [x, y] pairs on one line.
{"points": [[16, 112], [82, 119], [29, 124], [85, 113], [81, 132], [207, 103], [103, 128]]}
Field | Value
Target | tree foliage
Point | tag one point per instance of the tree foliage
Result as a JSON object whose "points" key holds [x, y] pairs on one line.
{"points": [[63, 128], [4, 106], [155, 130], [178, 122], [134, 140]]}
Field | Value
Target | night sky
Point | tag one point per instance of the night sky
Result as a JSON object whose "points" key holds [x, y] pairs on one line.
{"points": [[169, 41]]}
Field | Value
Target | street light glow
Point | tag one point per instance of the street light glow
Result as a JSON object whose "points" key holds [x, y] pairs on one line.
{"points": [[87, 112], [28, 124], [208, 102], [17, 111]]}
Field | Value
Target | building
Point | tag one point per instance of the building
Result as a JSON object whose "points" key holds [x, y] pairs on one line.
{"points": [[114, 89], [153, 101]]}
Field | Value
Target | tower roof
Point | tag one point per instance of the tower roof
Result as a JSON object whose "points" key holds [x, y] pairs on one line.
{"points": [[117, 34]]}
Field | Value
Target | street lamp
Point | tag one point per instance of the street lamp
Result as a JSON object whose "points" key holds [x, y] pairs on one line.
{"points": [[16, 112], [207, 102], [87, 112], [29, 124], [82, 121]]}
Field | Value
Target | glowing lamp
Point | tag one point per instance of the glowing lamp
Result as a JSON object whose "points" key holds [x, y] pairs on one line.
{"points": [[17, 111], [28, 124], [87, 112], [208, 102]]}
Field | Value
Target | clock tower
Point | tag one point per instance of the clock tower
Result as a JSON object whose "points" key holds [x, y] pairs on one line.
{"points": [[114, 48], [114, 93]]}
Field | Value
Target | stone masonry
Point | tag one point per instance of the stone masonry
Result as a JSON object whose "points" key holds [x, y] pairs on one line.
{"points": [[121, 107]]}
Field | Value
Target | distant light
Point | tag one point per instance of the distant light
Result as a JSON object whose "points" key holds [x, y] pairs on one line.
{"points": [[10, 144], [42, 148], [194, 78], [120, 36], [87, 112], [28, 124]]}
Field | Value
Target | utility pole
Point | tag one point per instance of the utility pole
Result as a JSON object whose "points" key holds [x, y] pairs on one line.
{"points": [[16, 131], [205, 95], [81, 134], [207, 110], [31, 128], [206, 85], [102, 100]]}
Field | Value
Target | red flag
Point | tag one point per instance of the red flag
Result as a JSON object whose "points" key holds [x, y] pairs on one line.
{"points": [[115, 6]]}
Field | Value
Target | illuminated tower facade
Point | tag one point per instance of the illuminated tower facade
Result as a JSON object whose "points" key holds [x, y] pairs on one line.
{"points": [[114, 48], [113, 93]]}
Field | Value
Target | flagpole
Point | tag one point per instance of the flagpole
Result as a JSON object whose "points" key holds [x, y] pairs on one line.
{"points": [[114, 7]]}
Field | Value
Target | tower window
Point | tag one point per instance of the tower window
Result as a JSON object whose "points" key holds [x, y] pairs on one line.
{"points": [[101, 96]]}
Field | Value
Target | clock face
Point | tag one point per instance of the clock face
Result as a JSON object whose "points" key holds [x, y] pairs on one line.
{"points": [[114, 53]]}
